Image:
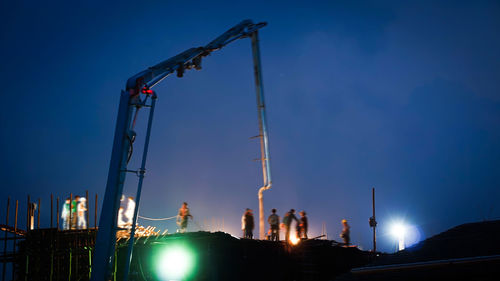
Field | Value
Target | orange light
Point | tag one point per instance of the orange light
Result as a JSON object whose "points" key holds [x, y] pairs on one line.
{"points": [[294, 240]]}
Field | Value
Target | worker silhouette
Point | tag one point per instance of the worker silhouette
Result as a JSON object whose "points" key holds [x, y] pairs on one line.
{"points": [[182, 217], [302, 225], [346, 233], [248, 224], [274, 225], [287, 221]]}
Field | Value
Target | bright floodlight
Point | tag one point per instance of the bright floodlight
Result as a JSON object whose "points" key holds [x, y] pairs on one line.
{"points": [[174, 263], [398, 230]]}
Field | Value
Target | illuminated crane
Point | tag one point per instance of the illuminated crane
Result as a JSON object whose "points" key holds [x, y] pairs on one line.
{"points": [[138, 94]]}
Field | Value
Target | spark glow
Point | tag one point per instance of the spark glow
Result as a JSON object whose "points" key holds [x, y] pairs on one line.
{"points": [[294, 239]]}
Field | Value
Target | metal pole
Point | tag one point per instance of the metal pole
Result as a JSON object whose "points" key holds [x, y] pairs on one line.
{"points": [[28, 217], [374, 227], [142, 171], [95, 212], [4, 265], [51, 210], [87, 208], [15, 220], [263, 135], [70, 224], [57, 212], [38, 215], [15, 237]]}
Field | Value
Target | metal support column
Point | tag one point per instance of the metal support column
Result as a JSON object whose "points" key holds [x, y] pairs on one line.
{"points": [[106, 235], [373, 222], [142, 172], [263, 135]]}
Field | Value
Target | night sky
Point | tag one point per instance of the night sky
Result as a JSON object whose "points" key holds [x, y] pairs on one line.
{"points": [[402, 96]]}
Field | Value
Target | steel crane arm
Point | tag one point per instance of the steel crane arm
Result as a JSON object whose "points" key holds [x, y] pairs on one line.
{"points": [[238, 31], [163, 69], [189, 58]]}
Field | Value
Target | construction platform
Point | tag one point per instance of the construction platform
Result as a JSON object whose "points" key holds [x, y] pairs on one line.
{"points": [[49, 254], [470, 251]]}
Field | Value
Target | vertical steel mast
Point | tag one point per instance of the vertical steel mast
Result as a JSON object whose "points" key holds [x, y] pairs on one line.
{"points": [[373, 222], [106, 235], [263, 135]]}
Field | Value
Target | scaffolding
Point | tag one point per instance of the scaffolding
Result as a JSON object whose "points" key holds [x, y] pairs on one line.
{"points": [[32, 252]]}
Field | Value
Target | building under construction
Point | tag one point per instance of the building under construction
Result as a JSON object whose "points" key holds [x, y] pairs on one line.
{"points": [[52, 254], [470, 251]]}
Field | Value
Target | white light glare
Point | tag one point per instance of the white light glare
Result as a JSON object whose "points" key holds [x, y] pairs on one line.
{"points": [[398, 230], [175, 263]]}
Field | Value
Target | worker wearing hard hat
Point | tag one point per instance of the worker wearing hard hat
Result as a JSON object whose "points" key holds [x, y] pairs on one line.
{"points": [[65, 214], [81, 209], [248, 224], [346, 233], [302, 225]]}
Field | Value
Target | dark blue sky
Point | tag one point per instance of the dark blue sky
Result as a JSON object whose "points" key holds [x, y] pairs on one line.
{"points": [[404, 97]]}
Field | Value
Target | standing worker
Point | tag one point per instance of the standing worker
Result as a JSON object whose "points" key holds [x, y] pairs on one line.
{"points": [[287, 221], [74, 211], [302, 225], [120, 222], [81, 209], [182, 217], [274, 223], [129, 212], [249, 224], [31, 213], [65, 214], [346, 233]]}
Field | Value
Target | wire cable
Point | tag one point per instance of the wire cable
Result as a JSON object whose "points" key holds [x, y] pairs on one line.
{"points": [[157, 219]]}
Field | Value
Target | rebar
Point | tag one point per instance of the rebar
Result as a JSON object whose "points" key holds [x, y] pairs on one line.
{"points": [[70, 211], [38, 215], [87, 211], [57, 212], [4, 265], [51, 210]]}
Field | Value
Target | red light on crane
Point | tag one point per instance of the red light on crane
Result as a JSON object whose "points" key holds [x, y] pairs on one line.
{"points": [[147, 91]]}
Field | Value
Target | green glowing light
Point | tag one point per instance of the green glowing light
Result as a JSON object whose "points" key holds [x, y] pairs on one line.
{"points": [[174, 263]]}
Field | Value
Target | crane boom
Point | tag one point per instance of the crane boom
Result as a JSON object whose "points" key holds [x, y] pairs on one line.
{"points": [[190, 57], [136, 95]]}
